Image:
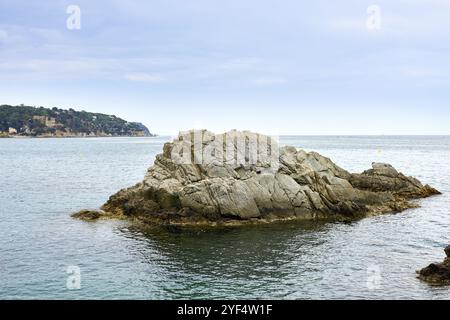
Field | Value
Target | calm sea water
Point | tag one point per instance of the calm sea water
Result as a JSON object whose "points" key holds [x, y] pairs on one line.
{"points": [[44, 180]]}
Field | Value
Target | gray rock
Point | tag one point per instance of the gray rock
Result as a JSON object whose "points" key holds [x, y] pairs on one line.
{"points": [[201, 177], [384, 169]]}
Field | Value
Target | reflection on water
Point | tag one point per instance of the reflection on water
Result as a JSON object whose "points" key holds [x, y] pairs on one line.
{"points": [[44, 180], [198, 259]]}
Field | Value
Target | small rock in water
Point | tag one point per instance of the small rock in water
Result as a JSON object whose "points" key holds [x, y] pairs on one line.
{"points": [[447, 251], [87, 215], [437, 273]]}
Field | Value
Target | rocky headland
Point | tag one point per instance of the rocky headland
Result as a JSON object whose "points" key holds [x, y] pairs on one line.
{"points": [[26, 121], [243, 177], [437, 273]]}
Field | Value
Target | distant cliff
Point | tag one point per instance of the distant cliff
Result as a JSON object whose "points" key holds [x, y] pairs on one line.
{"points": [[43, 122]]}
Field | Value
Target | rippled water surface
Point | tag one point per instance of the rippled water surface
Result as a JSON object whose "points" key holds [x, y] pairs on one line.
{"points": [[44, 180]]}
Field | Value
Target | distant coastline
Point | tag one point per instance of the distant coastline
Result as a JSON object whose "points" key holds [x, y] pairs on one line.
{"points": [[39, 122], [18, 137]]}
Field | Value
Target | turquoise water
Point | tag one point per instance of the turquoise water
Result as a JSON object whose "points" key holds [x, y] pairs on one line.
{"points": [[44, 180]]}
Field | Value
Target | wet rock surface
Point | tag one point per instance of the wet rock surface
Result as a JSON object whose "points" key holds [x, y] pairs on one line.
{"points": [[437, 273]]}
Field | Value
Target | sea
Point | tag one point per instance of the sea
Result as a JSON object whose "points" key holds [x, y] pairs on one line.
{"points": [[46, 254]]}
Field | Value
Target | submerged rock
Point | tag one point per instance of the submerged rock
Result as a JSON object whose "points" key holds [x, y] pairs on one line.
{"points": [[238, 176], [437, 273], [87, 214]]}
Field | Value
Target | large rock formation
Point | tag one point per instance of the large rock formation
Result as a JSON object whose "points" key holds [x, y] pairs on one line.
{"points": [[437, 273], [241, 176]]}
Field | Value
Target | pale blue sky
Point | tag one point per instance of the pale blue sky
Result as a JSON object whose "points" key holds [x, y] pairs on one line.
{"points": [[277, 67]]}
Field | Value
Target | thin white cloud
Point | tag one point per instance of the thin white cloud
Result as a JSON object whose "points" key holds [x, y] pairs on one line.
{"points": [[347, 24], [47, 35], [144, 77], [100, 68], [53, 66], [3, 36], [240, 64], [268, 81], [421, 72]]}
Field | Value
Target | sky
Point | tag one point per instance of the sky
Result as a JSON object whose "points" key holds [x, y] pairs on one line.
{"points": [[275, 67]]}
